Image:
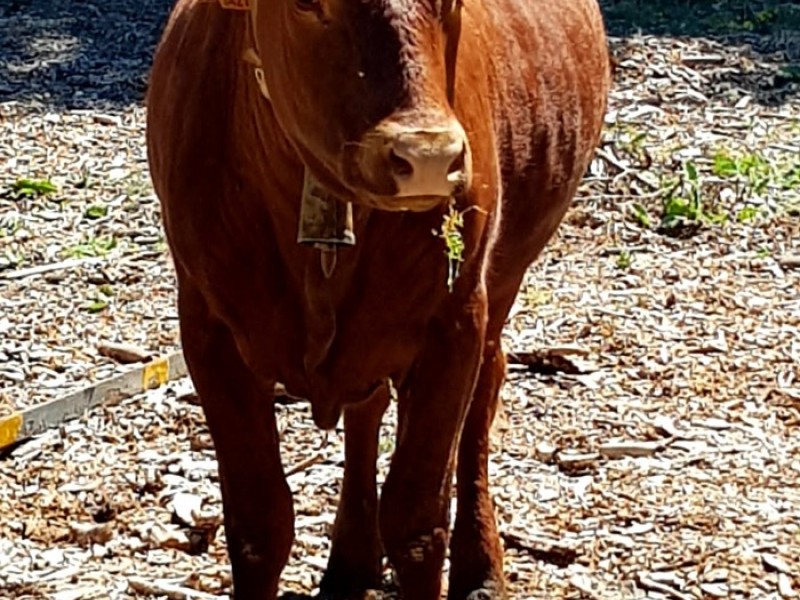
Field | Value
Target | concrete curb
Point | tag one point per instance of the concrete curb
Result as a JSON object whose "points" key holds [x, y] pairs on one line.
{"points": [[38, 419]]}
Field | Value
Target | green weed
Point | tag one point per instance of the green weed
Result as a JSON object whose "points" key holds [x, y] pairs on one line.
{"points": [[791, 73], [96, 211], [624, 260], [450, 232], [101, 300], [92, 247], [748, 214], [686, 209], [753, 172], [641, 215], [33, 187]]}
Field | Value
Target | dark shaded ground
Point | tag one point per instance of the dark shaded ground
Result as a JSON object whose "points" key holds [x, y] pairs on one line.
{"points": [[765, 32], [702, 17], [66, 54]]}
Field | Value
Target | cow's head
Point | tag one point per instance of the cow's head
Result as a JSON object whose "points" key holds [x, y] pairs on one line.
{"points": [[363, 89]]}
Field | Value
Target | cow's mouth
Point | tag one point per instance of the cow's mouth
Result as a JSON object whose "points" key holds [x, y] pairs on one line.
{"points": [[380, 193], [404, 203]]}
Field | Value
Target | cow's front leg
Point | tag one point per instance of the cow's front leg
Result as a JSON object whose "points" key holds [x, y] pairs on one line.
{"points": [[414, 508], [476, 554], [257, 503], [355, 562]]}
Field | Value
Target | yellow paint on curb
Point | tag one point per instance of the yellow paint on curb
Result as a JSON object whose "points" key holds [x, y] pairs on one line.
{"points": [[155, 374], [10, 427]]}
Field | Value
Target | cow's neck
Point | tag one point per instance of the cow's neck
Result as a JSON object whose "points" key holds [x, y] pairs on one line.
{"points": [[326, 223]]}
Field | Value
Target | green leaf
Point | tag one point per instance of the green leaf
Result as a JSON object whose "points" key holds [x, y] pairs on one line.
{"points": [[640, 212], [747, 214], [624, 260], [677, 207], [791, 72], [96, 211], [724, 166], [93, 247], [691, 171], [34, 187], [97, 306]]}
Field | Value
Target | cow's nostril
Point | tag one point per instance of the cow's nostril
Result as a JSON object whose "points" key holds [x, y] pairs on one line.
{"points": [[458, 164], [400, 166]]}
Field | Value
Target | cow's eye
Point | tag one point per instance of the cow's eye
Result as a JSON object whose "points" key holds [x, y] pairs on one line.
{"points": [[308, 5]]}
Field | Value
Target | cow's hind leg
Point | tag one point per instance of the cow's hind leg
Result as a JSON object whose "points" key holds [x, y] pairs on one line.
{"points": [[259, 517], [355, 562]]}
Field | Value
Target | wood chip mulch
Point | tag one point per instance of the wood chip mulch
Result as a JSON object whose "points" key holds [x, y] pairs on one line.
{"points": [[649, 444]]}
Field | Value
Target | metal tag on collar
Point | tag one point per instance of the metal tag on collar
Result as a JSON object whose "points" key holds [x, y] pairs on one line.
{"points": [[324, 219]]}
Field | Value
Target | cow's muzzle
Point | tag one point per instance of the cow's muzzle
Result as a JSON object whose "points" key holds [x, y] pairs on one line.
{"points": [[412, 167]]}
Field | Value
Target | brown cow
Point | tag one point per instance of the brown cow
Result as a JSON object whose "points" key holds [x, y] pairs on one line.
{"points": [[306, 154]]}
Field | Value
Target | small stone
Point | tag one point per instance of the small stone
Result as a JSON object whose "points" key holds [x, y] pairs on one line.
{"points": [[123, 353], [545, 451], [717, 590]]}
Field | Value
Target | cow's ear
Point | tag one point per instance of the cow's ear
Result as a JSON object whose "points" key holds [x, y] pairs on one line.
{"points": [[449, 7]]}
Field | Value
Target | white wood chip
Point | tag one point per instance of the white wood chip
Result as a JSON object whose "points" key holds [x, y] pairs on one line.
{"points": [[634, 449], [774, 562], [785, 588], [186, 506], [716, 590], [166, 588]]}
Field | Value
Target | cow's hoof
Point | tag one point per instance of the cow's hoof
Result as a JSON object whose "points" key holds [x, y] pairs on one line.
{"points": [[490, 590], [487, 594], [343, 584], [347, 595], [342, 593]]}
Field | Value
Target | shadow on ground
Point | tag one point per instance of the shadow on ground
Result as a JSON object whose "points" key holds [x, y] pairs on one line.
{"points": [[97, 54], [68, 54], [763, 34]]}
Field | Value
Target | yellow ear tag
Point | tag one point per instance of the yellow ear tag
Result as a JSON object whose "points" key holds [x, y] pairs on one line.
{"points": [[235, 4]]}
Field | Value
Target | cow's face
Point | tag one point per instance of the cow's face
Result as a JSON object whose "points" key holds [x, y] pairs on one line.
{"points": [[363, 90]]}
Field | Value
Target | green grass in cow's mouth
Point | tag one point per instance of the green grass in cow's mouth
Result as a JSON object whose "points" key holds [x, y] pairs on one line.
{"points": [[450, 232]]}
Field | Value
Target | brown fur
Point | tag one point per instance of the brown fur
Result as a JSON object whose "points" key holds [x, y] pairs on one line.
{"points": [[528, 81]]}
